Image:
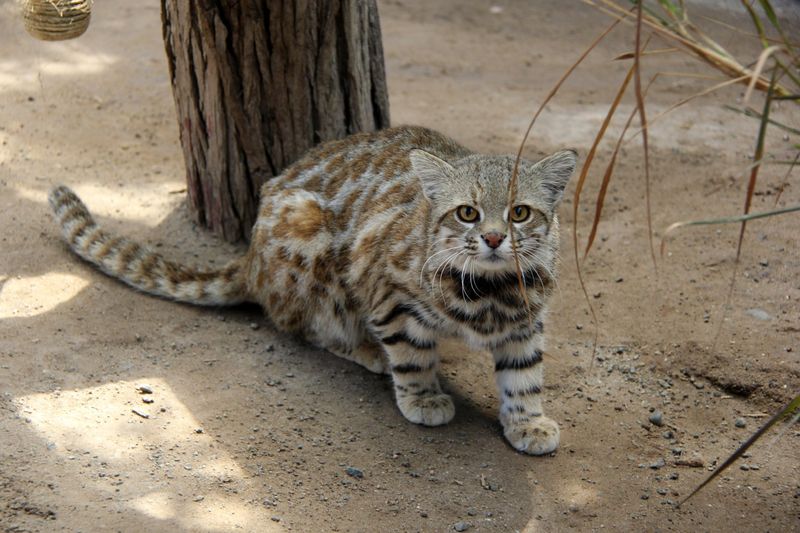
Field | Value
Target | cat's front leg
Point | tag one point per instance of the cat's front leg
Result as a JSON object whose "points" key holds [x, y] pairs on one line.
{"points": [[413, 363], [518, 372]]}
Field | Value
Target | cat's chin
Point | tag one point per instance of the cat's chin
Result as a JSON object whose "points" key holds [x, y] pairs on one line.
{"points": [[495, 265]]}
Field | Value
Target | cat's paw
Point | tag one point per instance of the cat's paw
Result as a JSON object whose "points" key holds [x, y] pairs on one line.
{"points": [[534, 436], [429, 410]]}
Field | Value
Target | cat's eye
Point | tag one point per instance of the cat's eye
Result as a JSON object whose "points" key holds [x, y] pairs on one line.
{"points": [[520, 213], [466, 213]]}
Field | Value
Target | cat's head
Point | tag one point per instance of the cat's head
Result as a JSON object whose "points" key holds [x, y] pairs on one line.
{"points": [[470, 210]]}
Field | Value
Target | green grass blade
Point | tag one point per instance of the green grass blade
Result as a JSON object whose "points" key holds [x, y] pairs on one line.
{"points": [[791, 407], [724, 220], [757, 157], [755, 114], [773, 19]]}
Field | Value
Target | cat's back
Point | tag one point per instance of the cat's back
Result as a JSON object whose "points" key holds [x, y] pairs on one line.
{"points": [[341, 171]]}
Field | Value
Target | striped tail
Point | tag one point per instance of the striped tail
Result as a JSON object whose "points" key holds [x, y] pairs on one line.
{"points": [[141, 267]]}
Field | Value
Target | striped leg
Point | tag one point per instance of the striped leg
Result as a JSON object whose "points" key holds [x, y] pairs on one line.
{"points": [[518, 372], [414, 362]]}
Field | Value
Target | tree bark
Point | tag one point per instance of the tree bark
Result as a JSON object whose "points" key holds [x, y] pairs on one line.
{"points": [[257, 83]]}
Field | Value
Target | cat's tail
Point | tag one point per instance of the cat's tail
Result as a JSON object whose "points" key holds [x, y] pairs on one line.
{"points": [[140, 266]]}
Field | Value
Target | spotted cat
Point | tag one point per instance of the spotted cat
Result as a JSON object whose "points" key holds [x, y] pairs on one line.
{"points": [[374, 248]]}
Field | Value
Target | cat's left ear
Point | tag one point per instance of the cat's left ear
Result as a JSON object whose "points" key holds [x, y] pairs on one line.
{"points": [[433, 173], [554, 172]]}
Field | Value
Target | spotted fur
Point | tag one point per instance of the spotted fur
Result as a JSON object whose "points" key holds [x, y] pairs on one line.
{"points": [[359, 248]]}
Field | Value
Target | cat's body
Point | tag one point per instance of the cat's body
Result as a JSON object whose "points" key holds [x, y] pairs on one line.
{"points": [[374, 248]]}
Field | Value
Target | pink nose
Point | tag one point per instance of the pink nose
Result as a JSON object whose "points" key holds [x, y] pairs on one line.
{"points": [[493, 239]]}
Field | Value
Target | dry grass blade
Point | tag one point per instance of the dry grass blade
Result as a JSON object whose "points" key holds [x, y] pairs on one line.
{"points": [[630, 55], [512, 188], [783, 413], [686, 100], [720, 61], [756, 75], [601, 195], [637, 82], [723, 220]]}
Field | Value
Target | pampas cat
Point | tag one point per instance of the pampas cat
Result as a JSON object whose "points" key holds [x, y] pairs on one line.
{"points": [[377, 246]]}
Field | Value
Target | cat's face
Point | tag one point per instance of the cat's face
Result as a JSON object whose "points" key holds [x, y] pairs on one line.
{"points": [[471, 216]]}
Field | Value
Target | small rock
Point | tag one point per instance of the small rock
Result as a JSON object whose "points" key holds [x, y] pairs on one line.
{"points": [[144, 389], [147, 399], [695, 461], [645, 496], [423, 514], [744, 467], [354, 472], [662, 491], [198, 430], [657, 418], [699, 385], [758, 314], [462, 526], [764, 263], [254, 325], [275, 518], [740, 422], [619, 279], [673, 476], [668, 435], [658, 463], [199, 498]]}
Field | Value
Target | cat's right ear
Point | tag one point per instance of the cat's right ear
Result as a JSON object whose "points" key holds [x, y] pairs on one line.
{"points": [[433, 172]]}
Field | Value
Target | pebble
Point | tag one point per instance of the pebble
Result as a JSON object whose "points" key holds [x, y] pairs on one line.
{"points": [[144, 389], [354, 472], [276, 518], [657, 418], [668, 435], [658, 464], [462, 526], [254, 325], [198, 430], [740, 422], [662, 492], [758, 314], [147, 400]]}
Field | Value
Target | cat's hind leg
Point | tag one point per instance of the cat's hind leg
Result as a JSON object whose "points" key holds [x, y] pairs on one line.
{"points": [[367, 354]]}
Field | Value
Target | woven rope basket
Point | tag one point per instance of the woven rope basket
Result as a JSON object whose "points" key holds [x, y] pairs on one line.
{"points": [[56, 20]]}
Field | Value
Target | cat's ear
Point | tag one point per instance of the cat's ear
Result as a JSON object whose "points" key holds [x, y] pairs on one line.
{"points": [[433, 172], [554, 172]]}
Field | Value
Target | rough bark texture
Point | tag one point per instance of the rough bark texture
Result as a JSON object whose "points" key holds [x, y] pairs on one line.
{"points": [[257, 83]]}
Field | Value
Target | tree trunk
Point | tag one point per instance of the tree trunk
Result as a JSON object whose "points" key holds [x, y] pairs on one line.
{"points": [[257, 83]]}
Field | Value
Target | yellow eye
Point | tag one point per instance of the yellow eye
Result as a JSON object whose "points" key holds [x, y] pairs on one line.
{"points": [[520, 213], [467, 213]]}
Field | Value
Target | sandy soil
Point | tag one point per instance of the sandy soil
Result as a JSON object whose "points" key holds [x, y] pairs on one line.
{"points": [[250, 430]]}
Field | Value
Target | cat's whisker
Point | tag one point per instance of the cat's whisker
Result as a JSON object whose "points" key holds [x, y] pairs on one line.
{"points": [[442, 269], [422, 270]]}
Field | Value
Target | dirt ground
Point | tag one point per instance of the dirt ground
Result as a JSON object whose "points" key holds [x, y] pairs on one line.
{"points": [[250, 430]]}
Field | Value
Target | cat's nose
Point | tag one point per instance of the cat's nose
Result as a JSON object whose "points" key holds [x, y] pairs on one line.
{"points": [[493, 239]]}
